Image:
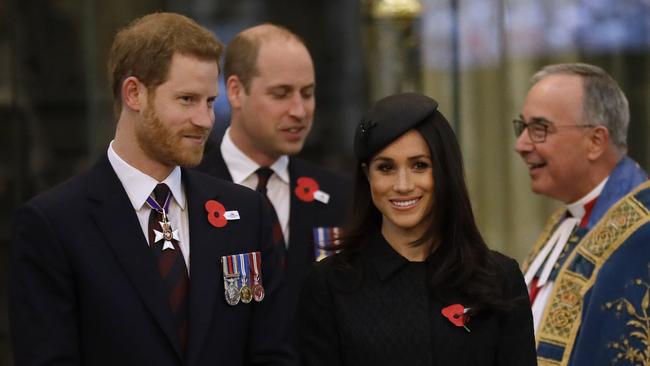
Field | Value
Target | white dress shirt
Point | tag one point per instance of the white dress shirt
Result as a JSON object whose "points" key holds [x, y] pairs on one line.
{"points": [[138, 187], [242, 170], [546, 258]]}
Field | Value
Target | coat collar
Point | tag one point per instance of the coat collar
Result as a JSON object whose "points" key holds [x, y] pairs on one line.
{"points": [[383, 257]]}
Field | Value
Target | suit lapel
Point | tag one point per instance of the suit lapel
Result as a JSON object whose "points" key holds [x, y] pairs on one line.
{"points": [[207, 244], [301, 251], [116, 219]]}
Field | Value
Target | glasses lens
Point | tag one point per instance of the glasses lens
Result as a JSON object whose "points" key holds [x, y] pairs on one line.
{"points": [[537, 132]]}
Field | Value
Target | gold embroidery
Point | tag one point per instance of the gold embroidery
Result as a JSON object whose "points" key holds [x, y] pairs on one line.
{"points": [[640, 328], [562, 316], [565, 308], [571, 298], [620, 221]]}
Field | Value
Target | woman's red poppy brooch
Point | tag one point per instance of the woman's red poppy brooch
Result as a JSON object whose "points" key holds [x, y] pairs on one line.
{"points": [[457, 315]]}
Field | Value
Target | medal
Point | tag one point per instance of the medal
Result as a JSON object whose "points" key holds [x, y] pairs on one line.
{"points": [[255, 265], [230, 280], [167, 234], [245, 290], [246, 294], [258, 290], [232, 293], [326, 239], [239, 270]]}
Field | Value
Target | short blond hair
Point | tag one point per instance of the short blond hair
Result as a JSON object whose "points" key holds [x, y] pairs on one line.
{"points": [[145, 48]]}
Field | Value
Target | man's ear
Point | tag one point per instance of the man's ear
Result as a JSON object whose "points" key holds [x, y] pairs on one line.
{"points": [[134, 94], [598, 142], [234, 91]]}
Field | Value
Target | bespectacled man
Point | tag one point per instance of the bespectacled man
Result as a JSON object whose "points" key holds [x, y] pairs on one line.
{"points": [[592, 258]]}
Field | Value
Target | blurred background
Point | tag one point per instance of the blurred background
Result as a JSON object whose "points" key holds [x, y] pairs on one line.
{"points": [[474, 56]]}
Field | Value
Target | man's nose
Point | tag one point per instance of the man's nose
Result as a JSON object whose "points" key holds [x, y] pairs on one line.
{"points": [[204, 117], [523, 143], [298, 108]]}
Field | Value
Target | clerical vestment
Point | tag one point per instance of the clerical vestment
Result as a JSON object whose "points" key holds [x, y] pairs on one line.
{"points": [[599, 309]]}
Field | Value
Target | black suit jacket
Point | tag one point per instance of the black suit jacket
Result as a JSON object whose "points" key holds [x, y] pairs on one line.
{"points": [[303, 216], [85, 290], [378, 310]]}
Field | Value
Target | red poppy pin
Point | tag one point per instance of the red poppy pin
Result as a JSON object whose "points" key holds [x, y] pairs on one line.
{"points": [[457, 315], [308, 190], [217, 214]]}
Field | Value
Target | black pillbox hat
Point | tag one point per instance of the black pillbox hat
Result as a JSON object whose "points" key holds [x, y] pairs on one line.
{"points": [[388, 119]]}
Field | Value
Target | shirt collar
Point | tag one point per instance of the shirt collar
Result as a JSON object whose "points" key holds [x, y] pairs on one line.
{"points": [[138, 185], [577, 209], [241, 166]]}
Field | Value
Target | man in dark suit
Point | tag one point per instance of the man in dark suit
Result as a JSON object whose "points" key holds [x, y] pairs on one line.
{"points": [[101, 271], [270, 84]]}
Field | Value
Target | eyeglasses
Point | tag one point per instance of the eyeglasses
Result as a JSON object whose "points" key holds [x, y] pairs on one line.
{"points": [[538, 129]]}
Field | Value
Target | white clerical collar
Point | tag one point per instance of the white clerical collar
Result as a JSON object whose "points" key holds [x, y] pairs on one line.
{"points": [[241, 166], [138, 185], [577, 209]]}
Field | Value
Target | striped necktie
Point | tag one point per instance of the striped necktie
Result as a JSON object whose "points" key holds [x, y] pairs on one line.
{"points": [[171, 264], [263, 175]]}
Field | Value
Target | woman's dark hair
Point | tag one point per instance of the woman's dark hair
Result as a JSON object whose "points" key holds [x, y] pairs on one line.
{"points": [[461, 261]]}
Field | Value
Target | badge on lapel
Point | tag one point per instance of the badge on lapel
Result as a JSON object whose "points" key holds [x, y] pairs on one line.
{"points": [[242, 278], [326, 241], [217, 214], [308, 190]]}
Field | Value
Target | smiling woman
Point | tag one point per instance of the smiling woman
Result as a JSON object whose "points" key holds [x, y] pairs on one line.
{"points": [[415, 283], [401, 185]]}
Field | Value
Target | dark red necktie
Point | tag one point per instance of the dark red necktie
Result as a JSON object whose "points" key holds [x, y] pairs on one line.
{"points": [[171, 266], [263, 175], [534, 290]]}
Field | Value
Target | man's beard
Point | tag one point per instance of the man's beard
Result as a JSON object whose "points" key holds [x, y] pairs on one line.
{"points": [[162, 144]]}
